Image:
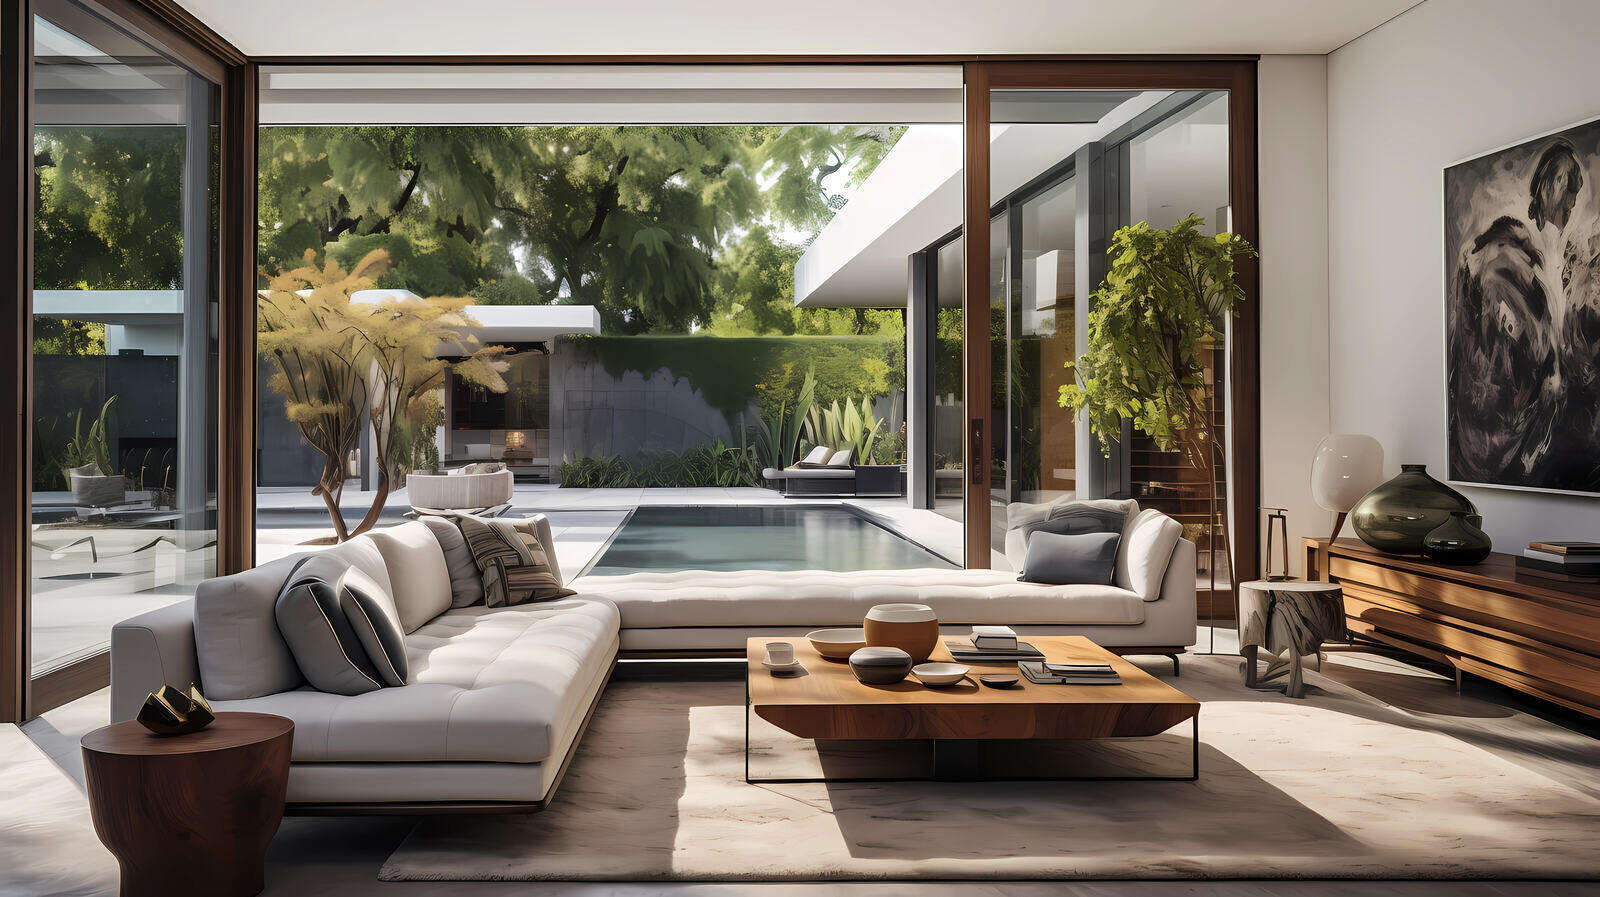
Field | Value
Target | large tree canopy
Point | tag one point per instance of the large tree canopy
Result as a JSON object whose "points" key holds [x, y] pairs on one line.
{"points": [[635, 220]]}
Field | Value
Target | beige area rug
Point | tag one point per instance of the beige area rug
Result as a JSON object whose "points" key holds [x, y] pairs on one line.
{"points": [[1339, 785], [47, 842]]}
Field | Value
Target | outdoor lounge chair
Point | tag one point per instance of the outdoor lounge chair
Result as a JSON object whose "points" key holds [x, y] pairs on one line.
{"points": [[481, 494]]}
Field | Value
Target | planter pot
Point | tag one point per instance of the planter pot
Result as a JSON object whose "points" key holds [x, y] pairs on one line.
{"points": [[913, 628], [1458, 540], [1396, 516]]}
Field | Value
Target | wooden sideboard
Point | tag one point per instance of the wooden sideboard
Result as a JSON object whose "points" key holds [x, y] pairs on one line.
{"points": [[1534, 634]]}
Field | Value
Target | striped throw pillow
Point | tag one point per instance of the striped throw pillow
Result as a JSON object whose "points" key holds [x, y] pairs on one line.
{"points": [[511, 561]]}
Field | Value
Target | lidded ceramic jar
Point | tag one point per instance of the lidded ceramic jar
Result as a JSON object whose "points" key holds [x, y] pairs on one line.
{"points": [[880, 666], [913, 628]]}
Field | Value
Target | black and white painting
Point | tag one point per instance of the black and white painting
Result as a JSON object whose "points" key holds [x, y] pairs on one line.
{"points": [[1522, 313]]}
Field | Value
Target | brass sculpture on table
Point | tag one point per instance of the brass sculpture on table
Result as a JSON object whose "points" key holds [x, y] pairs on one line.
{"points": [[172, 712]]}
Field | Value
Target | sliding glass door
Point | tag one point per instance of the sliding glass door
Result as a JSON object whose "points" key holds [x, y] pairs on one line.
{"points": [[124, 337], [1074, 151]]}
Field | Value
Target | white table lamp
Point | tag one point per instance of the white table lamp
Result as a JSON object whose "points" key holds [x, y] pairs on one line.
{"points": [[1345, 467]]}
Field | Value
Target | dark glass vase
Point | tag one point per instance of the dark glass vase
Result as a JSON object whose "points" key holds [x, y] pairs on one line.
{"points": [[1458, 540], [1398, 515]]}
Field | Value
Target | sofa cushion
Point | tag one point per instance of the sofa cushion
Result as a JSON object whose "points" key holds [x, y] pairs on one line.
{"points": [[314, 611], [419, 577], [1062, 558], [818, 598], [240, 652], [513, 561], [466, 586], [1146, 551], [1067, 515], [840, 458], [496, 685]]}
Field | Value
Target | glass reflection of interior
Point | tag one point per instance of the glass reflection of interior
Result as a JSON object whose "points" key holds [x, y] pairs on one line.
{"points": [[124, 352], [1068, 167]]}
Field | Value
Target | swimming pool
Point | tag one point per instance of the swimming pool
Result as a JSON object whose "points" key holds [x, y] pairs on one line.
{"points": [[799, 537]]}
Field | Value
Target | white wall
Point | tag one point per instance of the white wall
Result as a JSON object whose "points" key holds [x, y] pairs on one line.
{"points": [[1446, 80], [1293, 170]]}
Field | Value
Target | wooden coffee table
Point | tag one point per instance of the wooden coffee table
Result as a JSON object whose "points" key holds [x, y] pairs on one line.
{"points": [[826, 703]]}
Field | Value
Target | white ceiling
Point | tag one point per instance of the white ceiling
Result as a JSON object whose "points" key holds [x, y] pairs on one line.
{"points": [[352, 28]]}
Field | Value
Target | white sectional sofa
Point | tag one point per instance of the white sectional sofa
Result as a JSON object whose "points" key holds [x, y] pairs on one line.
{"points": [[497, 699], [492, 710]]}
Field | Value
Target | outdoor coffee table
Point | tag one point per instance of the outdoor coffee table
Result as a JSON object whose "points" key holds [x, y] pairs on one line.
{"points": [[826, 703]]}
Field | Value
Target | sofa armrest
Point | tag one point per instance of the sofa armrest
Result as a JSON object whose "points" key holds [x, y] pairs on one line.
{"points": [[149, 651], [1178, 583]]}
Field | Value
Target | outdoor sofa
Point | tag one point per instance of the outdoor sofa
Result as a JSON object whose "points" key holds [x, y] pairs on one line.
{"points": [[497, 698]]}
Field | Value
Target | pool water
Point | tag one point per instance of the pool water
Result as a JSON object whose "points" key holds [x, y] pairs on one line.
{"points": [[802, 537]]}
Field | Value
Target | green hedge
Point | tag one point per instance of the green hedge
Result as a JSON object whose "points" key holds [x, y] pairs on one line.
{"points": [[717, 464], [731, 372]]}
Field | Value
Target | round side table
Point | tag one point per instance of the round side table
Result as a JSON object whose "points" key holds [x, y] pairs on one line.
{"points": [[189, 814], [1288, 616]]}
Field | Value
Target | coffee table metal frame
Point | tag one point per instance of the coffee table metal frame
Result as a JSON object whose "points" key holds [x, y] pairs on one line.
{"points": [[1194, 763]]}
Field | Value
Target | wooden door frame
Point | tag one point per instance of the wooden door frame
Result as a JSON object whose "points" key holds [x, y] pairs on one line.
{"points": [[1236, 75]]}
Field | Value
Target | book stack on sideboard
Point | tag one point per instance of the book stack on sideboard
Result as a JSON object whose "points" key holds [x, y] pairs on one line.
{"points": [[1562, 561], [1527, 629]]}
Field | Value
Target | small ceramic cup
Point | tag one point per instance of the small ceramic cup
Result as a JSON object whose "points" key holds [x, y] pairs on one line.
{"points": [[781, 653]]}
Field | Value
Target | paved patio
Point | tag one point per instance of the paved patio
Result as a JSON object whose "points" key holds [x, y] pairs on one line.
{"points": [[583, 520], [72, 617]]}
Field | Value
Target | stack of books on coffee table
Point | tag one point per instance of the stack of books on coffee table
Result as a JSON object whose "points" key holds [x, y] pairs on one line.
{"points": [[991, 644], [1570, 561], [1042, 673]]}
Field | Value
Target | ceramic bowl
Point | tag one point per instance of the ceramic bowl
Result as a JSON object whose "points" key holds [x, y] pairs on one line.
{"points": [[937, 674], [880, 666], [913, 628], [837, 644]]}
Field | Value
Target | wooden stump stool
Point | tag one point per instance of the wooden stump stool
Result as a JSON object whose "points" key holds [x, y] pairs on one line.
{"points": [[190, 814], [1289, 616]]}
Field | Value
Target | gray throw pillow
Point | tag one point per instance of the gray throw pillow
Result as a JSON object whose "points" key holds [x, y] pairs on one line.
{"points": [[340, 632], [1071, 558], [466, 587]]}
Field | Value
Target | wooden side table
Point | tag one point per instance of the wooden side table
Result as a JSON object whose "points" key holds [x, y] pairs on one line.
{"points": [[190, 814], [1292, 616]]}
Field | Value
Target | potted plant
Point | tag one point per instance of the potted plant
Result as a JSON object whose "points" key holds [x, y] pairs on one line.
{"points": [[1164, 304]]}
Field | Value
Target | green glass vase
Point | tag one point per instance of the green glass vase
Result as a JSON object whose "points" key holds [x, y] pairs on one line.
{"points": [[1398, 515], [1458, 540]]}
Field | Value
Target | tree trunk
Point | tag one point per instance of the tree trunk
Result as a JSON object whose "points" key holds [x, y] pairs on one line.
{"points": [[330, 496], [378, 501]]}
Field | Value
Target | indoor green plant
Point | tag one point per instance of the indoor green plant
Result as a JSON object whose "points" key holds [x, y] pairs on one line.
{"points": [[1164, 303]]}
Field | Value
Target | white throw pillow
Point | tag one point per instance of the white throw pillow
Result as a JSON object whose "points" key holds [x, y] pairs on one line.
{"points": [[817, 457], [840, 458], [419, 577], [1145, 552]]}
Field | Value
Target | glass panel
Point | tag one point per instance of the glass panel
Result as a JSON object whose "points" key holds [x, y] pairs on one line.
{"points": [[1043, 436], [1179, 168], [1068, 169], [949, 484], [124, 351], [1000, 370]]}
